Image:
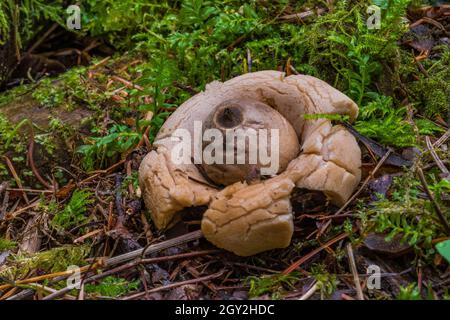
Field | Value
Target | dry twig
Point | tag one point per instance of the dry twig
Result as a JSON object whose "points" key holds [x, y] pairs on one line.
{"points": [[436, 158], [174, 285], [351, 260], [305, 258]]}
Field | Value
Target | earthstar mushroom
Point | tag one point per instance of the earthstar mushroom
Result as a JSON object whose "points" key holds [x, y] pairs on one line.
{"points": [[244, 118], [249, 216]]}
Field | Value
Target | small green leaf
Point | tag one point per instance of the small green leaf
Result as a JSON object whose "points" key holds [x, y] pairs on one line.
{"points": [[444, 249]]}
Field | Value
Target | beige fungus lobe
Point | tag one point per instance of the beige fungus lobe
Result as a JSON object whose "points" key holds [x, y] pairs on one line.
{"points": [[248, 217]]}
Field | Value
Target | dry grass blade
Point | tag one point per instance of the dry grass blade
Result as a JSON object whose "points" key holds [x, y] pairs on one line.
{"points": [[33, 165], [436, 158], [178, 256], [16, 177], [302, 260], [442, 139], [195, 235], [14, 214], [308, 294], [351, 260]]}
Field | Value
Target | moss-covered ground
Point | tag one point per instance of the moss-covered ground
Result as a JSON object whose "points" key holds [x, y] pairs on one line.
{"points": [[71, 143]]}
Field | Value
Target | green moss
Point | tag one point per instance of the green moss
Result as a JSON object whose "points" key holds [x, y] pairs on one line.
{"points": [[430, 89], [68, 90], [193, 42], [112, 287], [326, 282], [380, 120], [9, 96], [6, 244], [11, 142], [407, 214], [410, 292], [55, 260], [433, 95], [186, 44], [60, 258], [271, 284]]}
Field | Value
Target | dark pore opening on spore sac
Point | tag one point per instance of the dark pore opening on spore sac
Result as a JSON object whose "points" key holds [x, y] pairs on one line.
{"points": [[229, 116]]}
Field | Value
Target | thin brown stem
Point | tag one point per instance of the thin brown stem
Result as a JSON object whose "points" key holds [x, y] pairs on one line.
{"points": [[436, 206]]}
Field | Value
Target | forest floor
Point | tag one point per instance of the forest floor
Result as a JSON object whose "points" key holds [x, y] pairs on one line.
{"points": [[80, 110]]}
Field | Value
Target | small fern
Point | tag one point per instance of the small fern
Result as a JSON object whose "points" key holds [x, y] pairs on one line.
{"points": [[74, 213], [380, 120], [195, 13]]}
